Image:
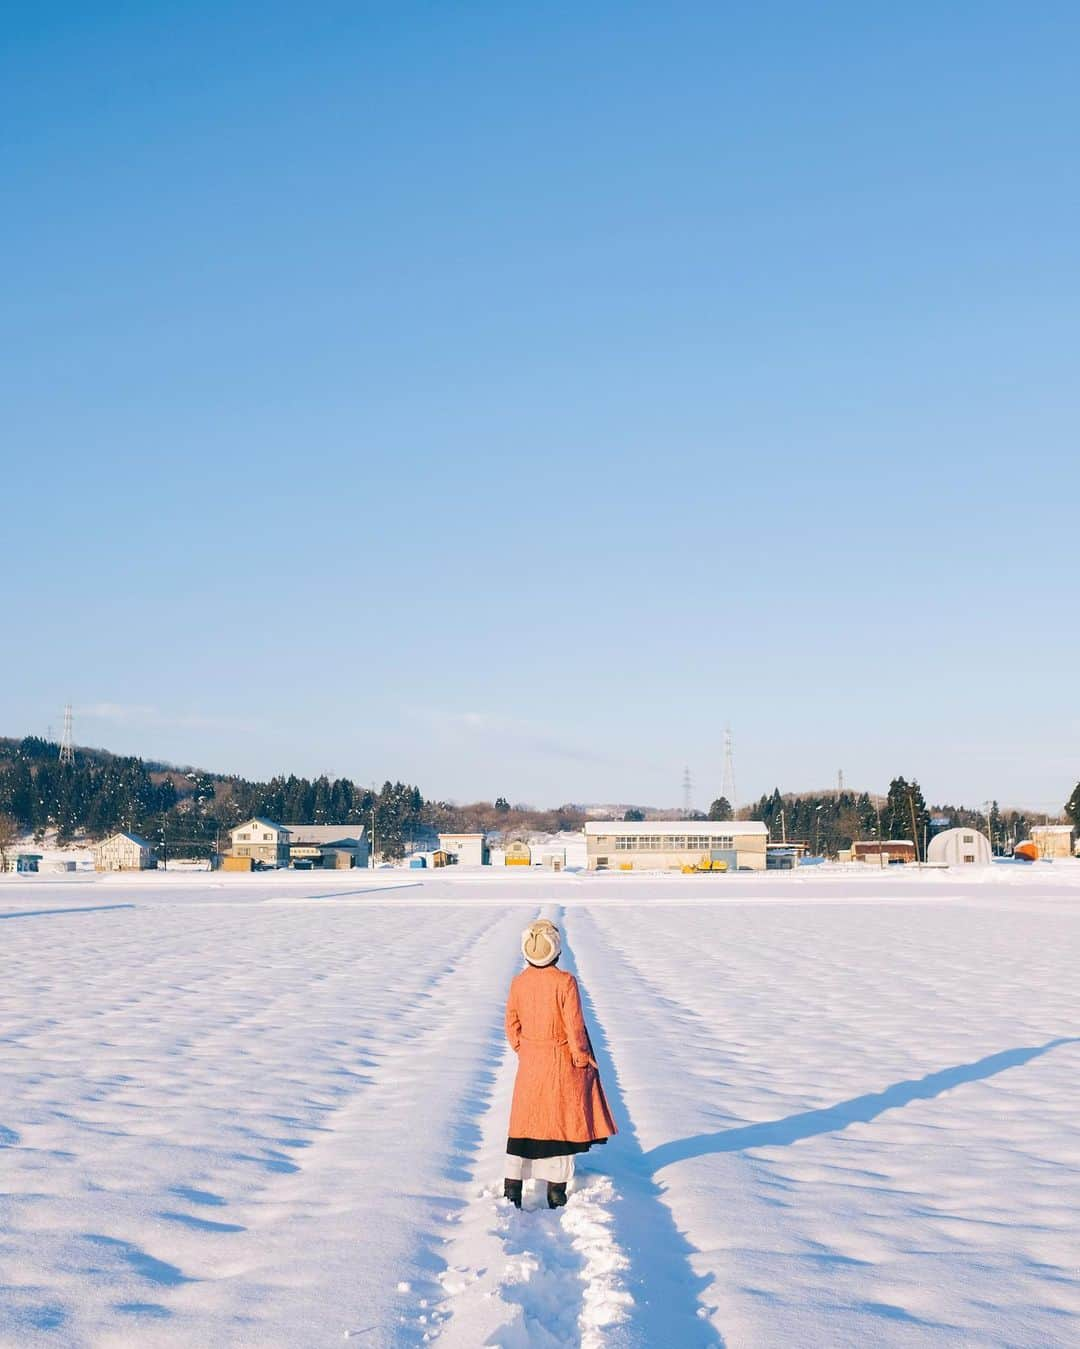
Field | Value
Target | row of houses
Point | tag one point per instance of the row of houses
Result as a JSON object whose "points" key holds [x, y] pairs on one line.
{"points": [[744, 845], [255, 844], [610, 845]]}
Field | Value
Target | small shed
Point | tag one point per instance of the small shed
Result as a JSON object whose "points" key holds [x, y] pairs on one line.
{"points": [[417, 863], [518, 855], [959, 847], [441, 858], [26, 862]]}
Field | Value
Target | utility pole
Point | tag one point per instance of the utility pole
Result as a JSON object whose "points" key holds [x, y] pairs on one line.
{"points": [[880, 840], [914, 828], [372, 838]]}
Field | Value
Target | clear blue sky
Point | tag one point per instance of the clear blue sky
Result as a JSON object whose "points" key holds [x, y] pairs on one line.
{"points": [[505, 397]]}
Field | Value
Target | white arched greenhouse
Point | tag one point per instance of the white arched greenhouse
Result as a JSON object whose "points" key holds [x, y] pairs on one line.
{"points": [[959, 847]]}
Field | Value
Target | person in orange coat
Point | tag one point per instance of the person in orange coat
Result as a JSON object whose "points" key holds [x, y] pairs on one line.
{"points": [[559, 1108]]}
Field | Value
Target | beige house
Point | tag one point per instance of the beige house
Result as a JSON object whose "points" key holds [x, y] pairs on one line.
{"points": [[124, 852], [468, 850], [339, 846], [669, 845], [261, 840], [1053, 840]]}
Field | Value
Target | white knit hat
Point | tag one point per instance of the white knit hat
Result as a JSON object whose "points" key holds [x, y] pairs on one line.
{"points": [[541, 943]]}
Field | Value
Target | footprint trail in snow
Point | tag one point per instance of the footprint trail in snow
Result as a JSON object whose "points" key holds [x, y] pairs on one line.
{"points": [[537, 1277]]}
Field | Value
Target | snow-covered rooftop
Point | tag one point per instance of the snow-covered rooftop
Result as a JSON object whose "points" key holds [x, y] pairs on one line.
{"points": [[324, 833], [724, 828]]}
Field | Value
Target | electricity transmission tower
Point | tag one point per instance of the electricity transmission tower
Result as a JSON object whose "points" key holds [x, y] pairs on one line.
{"points": [[687, 791], [727, 782], [67, 744]]}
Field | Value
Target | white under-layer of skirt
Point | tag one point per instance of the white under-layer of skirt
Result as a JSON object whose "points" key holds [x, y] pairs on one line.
{"points": [[558, 1170]]}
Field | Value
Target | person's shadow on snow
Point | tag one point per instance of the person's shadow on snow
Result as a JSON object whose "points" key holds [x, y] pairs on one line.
{"points": [[859, 1110]]}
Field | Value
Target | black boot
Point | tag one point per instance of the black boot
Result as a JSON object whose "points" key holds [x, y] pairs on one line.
{"points": [[512, 1191], [556, 1194]]}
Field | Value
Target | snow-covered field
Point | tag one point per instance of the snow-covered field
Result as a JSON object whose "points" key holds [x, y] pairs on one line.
{"points": [[270, 1111]]}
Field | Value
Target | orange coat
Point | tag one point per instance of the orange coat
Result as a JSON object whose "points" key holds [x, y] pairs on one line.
{"points": [[557, 1092]]}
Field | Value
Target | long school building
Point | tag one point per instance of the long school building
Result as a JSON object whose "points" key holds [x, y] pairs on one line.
{"points": [[669, 845]]}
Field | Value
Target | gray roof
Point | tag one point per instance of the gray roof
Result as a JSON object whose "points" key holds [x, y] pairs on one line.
{"points": [[325, 834], [134, 838]]}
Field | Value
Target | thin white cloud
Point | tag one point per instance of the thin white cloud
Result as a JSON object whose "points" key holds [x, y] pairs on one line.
{"points": [[145, 714], [514, 732]]}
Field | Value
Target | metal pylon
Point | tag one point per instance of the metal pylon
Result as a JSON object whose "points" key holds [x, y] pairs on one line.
{"points": [[67, 744], [727, 782]]}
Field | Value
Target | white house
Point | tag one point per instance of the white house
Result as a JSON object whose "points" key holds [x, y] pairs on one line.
{"points": [[124, 852], [650, 845], [262, 841], [470, 850], [959, 847]]}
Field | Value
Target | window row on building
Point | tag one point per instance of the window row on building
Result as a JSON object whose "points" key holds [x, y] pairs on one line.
{"points": [[671, 842]]}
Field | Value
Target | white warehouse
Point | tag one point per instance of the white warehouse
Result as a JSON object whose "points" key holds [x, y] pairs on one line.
{"points": [[669, 845]]}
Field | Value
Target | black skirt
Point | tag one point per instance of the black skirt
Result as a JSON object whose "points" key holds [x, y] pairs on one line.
{"points": [[536, 1148]]}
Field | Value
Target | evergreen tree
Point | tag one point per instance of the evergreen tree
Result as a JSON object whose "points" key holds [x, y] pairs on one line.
{"points": [[320, 805], [633, 815], [721, 809], [997, 828], [9, 835], [904, 800], [1072, 808]]}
